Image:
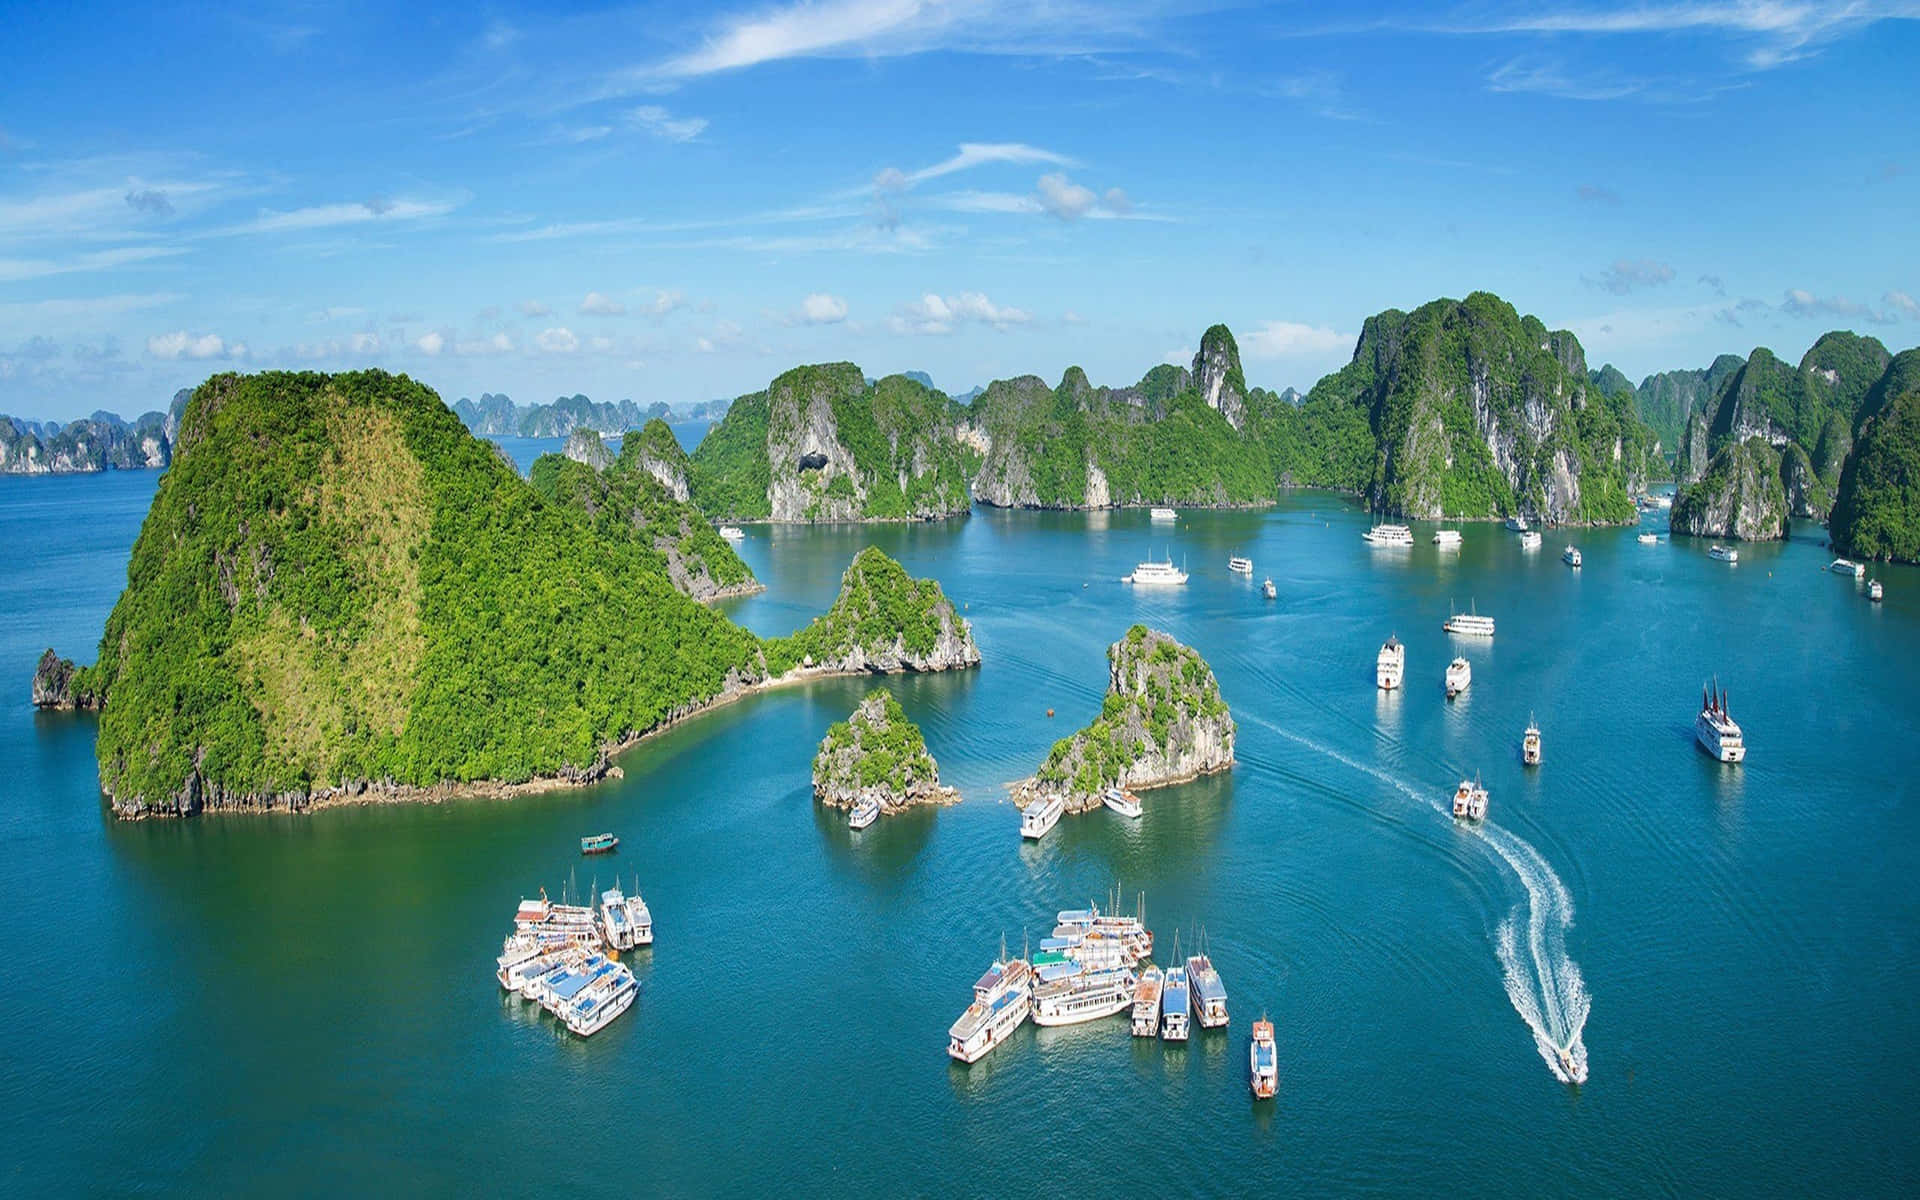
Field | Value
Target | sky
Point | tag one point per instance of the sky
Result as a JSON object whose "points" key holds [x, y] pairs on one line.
{"points": [[678, 202]]}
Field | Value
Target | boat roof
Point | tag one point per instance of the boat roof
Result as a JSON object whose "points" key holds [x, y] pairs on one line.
{"points": [[1075, 916], [1174, 1000], [1058, 970], [990, 980], [1263, 1054]]}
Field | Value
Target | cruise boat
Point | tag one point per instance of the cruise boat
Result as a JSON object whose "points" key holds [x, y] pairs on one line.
{"points": [[1267, 589], [1470, 800], [1468, 624], [570, 959], [1388, 535], [1517, 524], [1087, 996], [1163, 514], [1723, 553], [1389, 668], [1843, 566], [1530, 540], [1459, 675], [864, 813], [1571, 556], [1001, 1000], [1716, 730], [1121, 801], [1447, 539], [1240, 565], [1174, 1022], [640, 919], [1146, 1003], [1530, 743], [616, 919], [1265, 1070], [1648, 539], [733, 533], [1156, 573], [1875, 591], [1664, 501], [597, 1005], [1209, 993], [551, 989], [1041, 816], [599, 843]]}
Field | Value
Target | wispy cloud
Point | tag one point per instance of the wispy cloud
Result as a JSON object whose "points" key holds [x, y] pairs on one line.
{"points": [[598, 304], [1551, 78], [970, 155], [1626, 274], [1290, 339], [662, 124], [13, 270], [1902, 303], [328, 216], [1594, 193], [1718, 284], [1799, 302], [1773, 32]]}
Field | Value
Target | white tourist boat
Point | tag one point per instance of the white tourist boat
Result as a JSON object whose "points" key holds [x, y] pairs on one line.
{"points": [[1447, 539], [1002, 998], [1459, 676], [1648, 539], [1726, 554], [1157, 574], [640, 918], [1470, 800], [1391, 666], [597, 1004], [1663, 501], [1846, 566], [1388, 535], [1122, 801], [1209, 993], [1039, 817], [1571, 556], [1087, 996], [1468, 624], [865, 812], [733, 533], [1240, 565], [1530, 743], [1517, 524], [1530, 540], [1875, 591], [1716, 730], [556, 988], [616, 919], [1146, 1002], [1162, 514], [1267, 589], [1175, 1020], [1263, 1071]]}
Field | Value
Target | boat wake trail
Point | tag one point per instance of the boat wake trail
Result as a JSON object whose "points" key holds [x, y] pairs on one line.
{"points": [[1543, 983]]}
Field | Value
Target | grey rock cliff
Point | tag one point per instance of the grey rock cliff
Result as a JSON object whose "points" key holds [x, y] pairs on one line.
{"points": [[585, 446], [1740, 496]]}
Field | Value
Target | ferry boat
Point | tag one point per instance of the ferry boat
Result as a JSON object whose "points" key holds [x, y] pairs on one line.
{"points": [[1470, 800], [1571, 556], [597, 1005], [1041, 816], [864, 813], [1174, 1025], [1459, 675], [1388, 535], [1146, 1003], [1163, 514], [1468, 624], [1447, 539], [1209, 993], [1121, 801], [1265, 1071], [1716, 730], [599, 843], [1001, 1000], [1267, 589], [1240, 565], [1517, 524], [1875, 591], [733, 533], [1530, 744], [1391, 666], [1725, 554], [1843, 566], [1648, 539], [1088, 996], [1156, 573], [1530, 540]]}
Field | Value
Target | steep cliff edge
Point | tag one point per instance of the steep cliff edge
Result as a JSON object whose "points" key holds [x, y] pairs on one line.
{"points": [[1163, 722], [876, 753], [1740, 496], [1877, 512], [586, 447], [883, 620]]}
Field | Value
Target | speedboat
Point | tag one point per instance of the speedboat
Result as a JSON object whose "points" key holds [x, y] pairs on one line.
{"points": [[1239, 564], [864, 813], [1267, 589], [1530, 744], [1388, 535], [1571, 556], [1265, 1072], [1459, 675], [1648, 539], [1726, 554], [1470, 800]]}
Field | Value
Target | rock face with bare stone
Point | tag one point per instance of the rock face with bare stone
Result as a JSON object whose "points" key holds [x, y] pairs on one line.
{"points": [[876, 753]]}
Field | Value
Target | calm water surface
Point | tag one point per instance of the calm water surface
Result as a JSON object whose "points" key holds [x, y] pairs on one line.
{"points": [[304, 1004]]}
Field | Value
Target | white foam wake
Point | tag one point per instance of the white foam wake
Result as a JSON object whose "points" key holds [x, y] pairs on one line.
{"points": [[1543, 983]]}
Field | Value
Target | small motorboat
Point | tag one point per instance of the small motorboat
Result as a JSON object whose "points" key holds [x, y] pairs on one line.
{"points": [[1268, 590], [599, 843], [1459, 676], [864, 813], [1874, 591], [1571, 556], [1470, 800], [733, 533], [1121, 801], [1648, 539], [1530, 744], [1726, 554]]}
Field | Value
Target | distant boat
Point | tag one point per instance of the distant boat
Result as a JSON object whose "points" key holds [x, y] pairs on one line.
{"points": [[1845, 566], [1240, 565], [864, 813], [1663, 501], [1041, 816], [1391, 666], [1388, 535], [1571, 556], [1874, 591], [1146, 1002], [599, 843], [1530, 743], [1267, 589], [1517, 524], [1468, 624], [1648, 539], [733, 533], [1447, 539], [1459, 676], [1716, 730], [1122, 801], [1156, 574], [1530, 540], [1163, 514], [1470, 800], [1725, 554], [1265, 1072]]}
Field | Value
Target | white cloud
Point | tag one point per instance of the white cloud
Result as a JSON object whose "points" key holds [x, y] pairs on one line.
{"points": [[936, 314], [1901, 302], [1065, 199], [1182, 357], [664, 125], [1627, 274], [364, 343], [820, 308], [1285, 339], [533, 308], [181, 344], [482, 347], [559, 340], [430, 344], [1778, 31], [1801, 303], [598, 305], [971, 154], [664, 302]]}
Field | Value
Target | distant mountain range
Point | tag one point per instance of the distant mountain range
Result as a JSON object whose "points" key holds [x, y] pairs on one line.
{"points": [[102, 441], [496, 415]]}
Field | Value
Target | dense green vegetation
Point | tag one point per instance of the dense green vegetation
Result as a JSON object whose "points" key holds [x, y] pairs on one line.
{"points": [[1877, 512], [1740, 496], [879, 604], [728, 473], [875, 747], [1165, 688], [1665, 401], [656, 441]]}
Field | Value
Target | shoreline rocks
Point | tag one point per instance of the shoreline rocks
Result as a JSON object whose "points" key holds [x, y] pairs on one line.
{"points": [[877, 753]]}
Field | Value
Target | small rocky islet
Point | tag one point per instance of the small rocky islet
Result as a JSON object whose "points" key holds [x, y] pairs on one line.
{"points": [[878, 755]]}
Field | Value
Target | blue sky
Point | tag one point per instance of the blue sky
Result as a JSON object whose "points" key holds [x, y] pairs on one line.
{"points": [[678, 202]]}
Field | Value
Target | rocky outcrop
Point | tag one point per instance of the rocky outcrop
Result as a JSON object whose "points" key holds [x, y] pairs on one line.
{"points": [[1163, 722], [54, 685], [490, 416], [883, 621], [877, 754], [1216, 371], [586, 447], [657, 451], [1740, 496], [1667, 402], [101, 442], [1808, 497], [1877, 512], [569, 413], [1692, 463]]}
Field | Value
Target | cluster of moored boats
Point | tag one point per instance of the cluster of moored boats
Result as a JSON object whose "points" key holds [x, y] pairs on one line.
{"points": [[1098, 965], [566, 957]]}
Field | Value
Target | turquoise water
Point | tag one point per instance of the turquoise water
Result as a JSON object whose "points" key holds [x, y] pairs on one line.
{"points": [[304, 1004]]}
